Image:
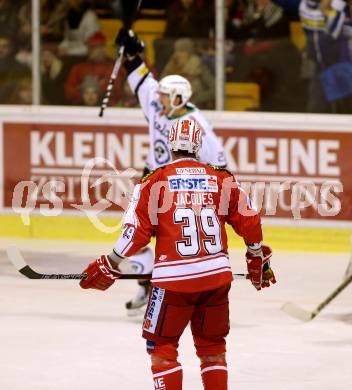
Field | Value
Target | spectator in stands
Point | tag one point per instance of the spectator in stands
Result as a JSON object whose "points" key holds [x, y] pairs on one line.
{"points": [[97, 65], [54, 74], [185, 19], [265, 55], [22, 94], [81, 23], [326, 26], [11, 71], [24, 35], [128, 98], [9, 22], [189, 18], [257, 19], [52, 17], [90, 92], [186, 63]]}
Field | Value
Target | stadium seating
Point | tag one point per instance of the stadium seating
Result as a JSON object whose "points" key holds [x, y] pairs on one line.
{"points": [[242, 96], [147, 30]]}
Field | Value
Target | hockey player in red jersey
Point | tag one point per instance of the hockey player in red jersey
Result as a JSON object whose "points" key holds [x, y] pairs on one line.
{"points": [[162, 102], [186, 204]]}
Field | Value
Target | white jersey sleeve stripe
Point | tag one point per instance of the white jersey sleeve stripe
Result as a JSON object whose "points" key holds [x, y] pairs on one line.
{"points": [[191, 269], [188, 261], [194, 276]]}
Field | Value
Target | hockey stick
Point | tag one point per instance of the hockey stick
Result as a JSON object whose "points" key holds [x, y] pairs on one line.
{"points": [[109, 88], [303, 315], [348, 271], [20, 264], [130, 9]]}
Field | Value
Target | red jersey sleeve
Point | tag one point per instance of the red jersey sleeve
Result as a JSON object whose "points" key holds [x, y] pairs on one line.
{"points": [[242, 216], [139, 219]]}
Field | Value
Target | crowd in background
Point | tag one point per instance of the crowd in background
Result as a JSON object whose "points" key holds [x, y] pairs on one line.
{"points": [[260, 48]]}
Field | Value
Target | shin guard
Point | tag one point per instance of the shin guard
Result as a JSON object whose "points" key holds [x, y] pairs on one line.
{"points": [[167, 377]]}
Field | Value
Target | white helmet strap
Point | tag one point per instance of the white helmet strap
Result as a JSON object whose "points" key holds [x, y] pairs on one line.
{"points": [[174, 106]]}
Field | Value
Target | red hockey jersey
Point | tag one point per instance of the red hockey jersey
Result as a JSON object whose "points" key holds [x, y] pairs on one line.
{"points": [[186, 205]]}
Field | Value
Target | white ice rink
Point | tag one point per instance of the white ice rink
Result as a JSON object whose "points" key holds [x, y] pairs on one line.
{"points": [[56, 336]]}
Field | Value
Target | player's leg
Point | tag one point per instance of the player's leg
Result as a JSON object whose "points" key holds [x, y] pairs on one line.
{"points": [[167, 371], [140, 263], [213, 365], [166, 317], [210, 326]]}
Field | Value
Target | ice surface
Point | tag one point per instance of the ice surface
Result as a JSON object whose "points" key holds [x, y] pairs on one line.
{"points": [[56, 336]]}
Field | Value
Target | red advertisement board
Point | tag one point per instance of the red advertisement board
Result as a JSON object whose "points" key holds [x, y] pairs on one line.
{"points": [[289, 174]]}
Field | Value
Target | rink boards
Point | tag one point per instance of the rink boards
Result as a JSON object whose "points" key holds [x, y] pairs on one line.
{"points": [[296, 167], [67, 227]]}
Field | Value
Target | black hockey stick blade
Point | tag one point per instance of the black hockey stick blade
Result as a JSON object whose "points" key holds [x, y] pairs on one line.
{"points": [[303, 315], [16, 258]]}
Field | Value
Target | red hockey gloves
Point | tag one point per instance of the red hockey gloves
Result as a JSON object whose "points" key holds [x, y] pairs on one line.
{"points": [[258, 265], [100, 274], [130, 41]]}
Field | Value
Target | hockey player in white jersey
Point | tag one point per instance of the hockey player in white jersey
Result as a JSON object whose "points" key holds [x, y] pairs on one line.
{"points": [[162, 103]]}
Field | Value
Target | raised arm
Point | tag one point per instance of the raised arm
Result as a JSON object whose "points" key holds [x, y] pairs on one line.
{"points": [[140, 79]]}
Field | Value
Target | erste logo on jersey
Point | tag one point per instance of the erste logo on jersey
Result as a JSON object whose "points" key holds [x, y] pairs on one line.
{"points": [[196, 183]]}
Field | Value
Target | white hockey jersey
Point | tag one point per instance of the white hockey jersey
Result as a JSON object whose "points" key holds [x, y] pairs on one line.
{"points": [[145, 86]]}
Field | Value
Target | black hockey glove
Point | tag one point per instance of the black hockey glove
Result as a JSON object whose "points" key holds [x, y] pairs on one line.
{"points": [[130, 41]]}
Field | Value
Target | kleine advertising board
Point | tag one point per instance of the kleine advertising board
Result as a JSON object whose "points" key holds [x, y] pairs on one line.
{"points": [[292, 173]]}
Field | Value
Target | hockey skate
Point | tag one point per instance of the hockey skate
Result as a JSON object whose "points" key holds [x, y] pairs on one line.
{"points": [[136, 306]]}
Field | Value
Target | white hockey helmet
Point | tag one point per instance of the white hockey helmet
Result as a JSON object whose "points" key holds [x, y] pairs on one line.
{"points": [[185, 135], [174, 86]]}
